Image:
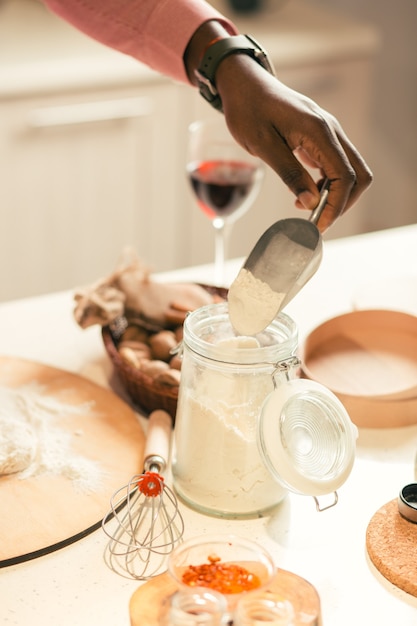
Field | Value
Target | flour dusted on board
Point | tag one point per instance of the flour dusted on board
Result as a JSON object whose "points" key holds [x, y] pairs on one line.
{"points": [[33, 443], [252, 303]]}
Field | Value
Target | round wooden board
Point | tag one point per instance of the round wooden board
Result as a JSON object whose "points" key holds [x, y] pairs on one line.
{"points": [[150, 600], [391, 542], [44, 513]]}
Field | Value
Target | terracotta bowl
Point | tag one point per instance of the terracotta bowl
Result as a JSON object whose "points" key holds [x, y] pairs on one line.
{"points": [[368, 359]]}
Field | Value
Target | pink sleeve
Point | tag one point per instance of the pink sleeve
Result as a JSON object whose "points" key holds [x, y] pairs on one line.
{"points": [[156, 32]]}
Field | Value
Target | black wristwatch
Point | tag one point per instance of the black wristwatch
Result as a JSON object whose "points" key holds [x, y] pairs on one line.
{"points": [[237, 44]]}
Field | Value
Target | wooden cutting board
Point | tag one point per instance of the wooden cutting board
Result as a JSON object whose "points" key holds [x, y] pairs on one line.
{"points": [[46, 512], [150, 601]]}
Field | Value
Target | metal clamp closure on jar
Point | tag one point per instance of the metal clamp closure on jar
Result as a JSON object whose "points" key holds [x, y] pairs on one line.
{"points": [[285, 367]]}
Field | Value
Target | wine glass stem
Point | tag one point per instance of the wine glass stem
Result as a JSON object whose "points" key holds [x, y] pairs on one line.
{"points": [[219, 256], [220, 243]]}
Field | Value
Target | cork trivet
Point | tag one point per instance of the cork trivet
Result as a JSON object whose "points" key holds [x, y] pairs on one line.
{"points": [[150, 601], [391, 542]]}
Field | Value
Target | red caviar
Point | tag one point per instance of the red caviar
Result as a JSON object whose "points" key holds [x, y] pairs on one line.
{"points": [[226, 578]]}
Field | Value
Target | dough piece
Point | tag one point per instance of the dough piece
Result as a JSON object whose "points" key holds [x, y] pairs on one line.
{"points": [[17, 446]]}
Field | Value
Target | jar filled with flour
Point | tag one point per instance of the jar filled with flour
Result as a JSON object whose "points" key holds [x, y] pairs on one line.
{"points": [[247, 429]]}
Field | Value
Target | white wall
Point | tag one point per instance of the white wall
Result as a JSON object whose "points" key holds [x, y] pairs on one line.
{"points": [[393, 124]]}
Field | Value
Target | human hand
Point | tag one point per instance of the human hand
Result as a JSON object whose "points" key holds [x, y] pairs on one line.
{"points": [[289, 131]]}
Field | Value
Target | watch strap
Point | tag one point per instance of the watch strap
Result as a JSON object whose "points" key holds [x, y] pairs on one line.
{"points": [[216, 52]]}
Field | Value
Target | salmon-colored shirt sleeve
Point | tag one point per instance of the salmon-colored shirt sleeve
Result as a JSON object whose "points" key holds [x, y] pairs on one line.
{"points": [[155, 32]]}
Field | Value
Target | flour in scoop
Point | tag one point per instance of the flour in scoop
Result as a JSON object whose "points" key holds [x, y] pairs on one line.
{"points": [[252, 303]]}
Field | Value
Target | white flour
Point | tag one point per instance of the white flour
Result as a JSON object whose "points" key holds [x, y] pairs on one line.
{"points": [[217, 465], [32, 442], [252, 303]]}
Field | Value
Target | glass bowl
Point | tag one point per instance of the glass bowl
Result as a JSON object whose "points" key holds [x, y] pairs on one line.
{"points": [[228, 564]]}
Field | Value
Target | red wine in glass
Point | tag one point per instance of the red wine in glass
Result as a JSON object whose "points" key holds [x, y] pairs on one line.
{"points": [[221, 187], [225, 180]]}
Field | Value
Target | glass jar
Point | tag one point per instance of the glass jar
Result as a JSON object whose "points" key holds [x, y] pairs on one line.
{"points": [[247, 429], [225, 379], [266, 608], [196, 607]]}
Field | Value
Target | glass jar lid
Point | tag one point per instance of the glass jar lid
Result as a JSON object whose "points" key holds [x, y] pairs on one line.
{"points": [[306, 438]]}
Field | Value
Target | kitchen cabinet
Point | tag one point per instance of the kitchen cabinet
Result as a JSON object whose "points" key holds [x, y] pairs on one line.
{"points": [[83, 175], [93, 145]]}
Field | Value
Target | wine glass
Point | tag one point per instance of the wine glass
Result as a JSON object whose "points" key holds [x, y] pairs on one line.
{"points": [[225, 179]]}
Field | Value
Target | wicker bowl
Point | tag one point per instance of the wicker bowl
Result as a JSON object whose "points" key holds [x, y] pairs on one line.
{"points": [[145, 392], [141, 388]]}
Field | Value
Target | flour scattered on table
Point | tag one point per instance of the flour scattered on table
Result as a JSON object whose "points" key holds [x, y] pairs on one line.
{"points": [[32, 442]]}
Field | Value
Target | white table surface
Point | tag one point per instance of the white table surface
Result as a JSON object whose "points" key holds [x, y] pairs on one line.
{"points": [[73, 586]]}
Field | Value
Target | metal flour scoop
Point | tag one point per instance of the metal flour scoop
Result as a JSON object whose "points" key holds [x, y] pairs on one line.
{"points": [[286, 256]]}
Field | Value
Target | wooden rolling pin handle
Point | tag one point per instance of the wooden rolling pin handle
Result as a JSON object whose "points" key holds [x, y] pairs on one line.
{"points": [[158, 441]]}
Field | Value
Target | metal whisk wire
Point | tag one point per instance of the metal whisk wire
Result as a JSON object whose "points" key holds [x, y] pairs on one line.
{"points": [[144, 518]]}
